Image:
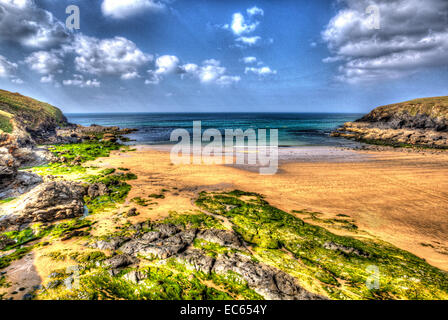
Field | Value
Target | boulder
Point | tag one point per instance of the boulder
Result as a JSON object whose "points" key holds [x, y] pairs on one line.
{"points": [[96, 190], [49, 201]]}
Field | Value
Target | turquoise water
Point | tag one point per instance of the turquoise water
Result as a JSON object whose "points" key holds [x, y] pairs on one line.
{"points": [[294, 129]]}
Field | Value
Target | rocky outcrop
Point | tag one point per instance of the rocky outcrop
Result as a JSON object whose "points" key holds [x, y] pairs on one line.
{"points": [[13, 182], [170, 241], [78, 133], [376, 134], [421, 122], [48, 202]]}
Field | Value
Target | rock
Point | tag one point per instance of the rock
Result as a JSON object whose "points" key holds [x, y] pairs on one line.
{"points": [[132, 212], [163, 247], [5, 242], [271, 283], [31, 157], [28, 296], [96, 190], [120, 261], [221, 237], [170, 241], [135, 276], [167, 230], [54, 284], [197, 260], [110, 137], [75, 233], [112, 244], [421, 122], [49, 201], [21, 183], [348, 250]]}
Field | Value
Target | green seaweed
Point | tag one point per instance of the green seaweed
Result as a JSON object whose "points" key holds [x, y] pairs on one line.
{"points": [[336, 265], [198, 221]]}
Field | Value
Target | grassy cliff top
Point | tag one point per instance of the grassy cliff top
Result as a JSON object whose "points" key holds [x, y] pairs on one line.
{"points": [[28, 112], [434, 108]]}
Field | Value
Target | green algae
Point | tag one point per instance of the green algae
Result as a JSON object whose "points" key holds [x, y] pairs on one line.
{"points": [[324, 261]]}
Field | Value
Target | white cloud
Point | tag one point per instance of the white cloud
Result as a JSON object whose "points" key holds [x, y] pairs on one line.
{"points": [[7, 68], [255, 11], [228, 80], [239, 25], [120, 9], [44, 62], [79, 81], [47, 79], [153, 78], [209, 72], [249, 60], [243, 26], [413, 35], [23, 23], [167, 64], [250, 41], [262, 71], [117, 56], [21, 4], [17, 81]]}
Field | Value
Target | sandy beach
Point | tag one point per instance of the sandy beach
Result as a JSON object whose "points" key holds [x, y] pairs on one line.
{"points": [[398, 197]]}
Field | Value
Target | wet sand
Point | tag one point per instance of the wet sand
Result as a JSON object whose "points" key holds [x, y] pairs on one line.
{"points": [[398, 197]]}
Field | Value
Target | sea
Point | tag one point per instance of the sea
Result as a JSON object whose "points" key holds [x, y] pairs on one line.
{"points": [[294, 129]]}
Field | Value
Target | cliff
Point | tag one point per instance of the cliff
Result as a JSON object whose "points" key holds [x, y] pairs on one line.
{"points": [[421, 122], [26, 120]]}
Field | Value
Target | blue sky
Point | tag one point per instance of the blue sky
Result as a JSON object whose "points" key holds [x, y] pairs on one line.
{"points": [[224, 56]]}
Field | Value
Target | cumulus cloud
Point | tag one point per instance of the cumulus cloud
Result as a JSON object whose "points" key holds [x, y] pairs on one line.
{"points": [[21, 4], [250, 41], [262, 71], [239, 25], [167, 64], [117, 56], [23, 23], [17, 81], [243, 26], [120, 9], [79, 81], [249, 60], [413, 35], [47, 79], [255, 11], [210, 71], [44, 62], [7, 68]]}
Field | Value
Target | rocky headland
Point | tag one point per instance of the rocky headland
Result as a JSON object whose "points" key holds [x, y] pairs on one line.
{"points": [[416, 123], [27, 126]]}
